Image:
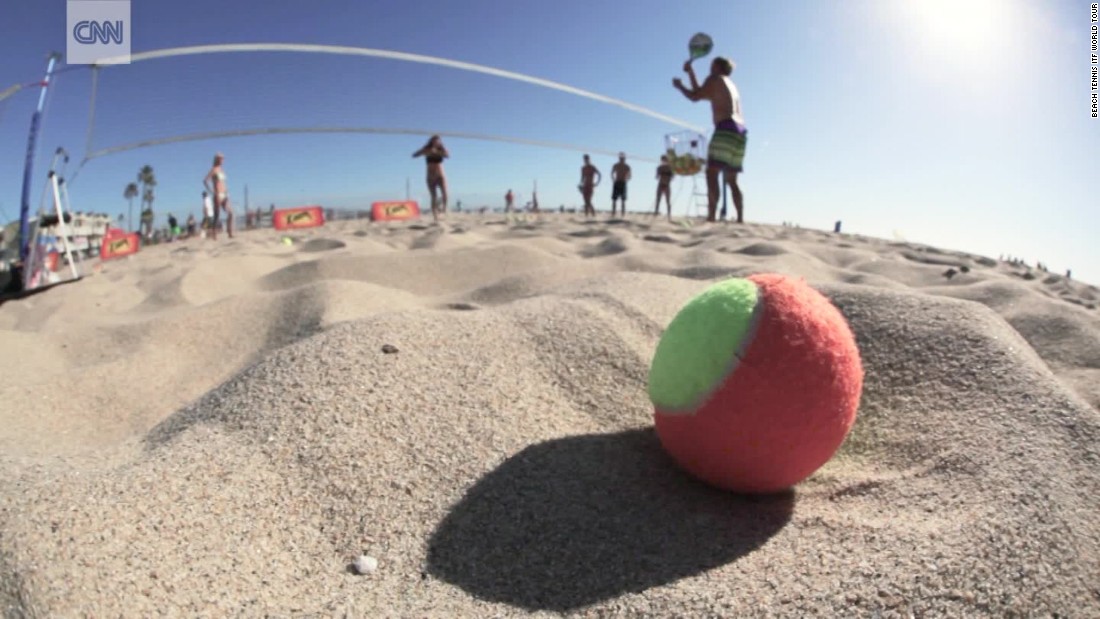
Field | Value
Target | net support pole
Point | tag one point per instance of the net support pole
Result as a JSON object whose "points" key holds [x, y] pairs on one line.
{"points": [[91, 110], [28, 166], [66, 229]]}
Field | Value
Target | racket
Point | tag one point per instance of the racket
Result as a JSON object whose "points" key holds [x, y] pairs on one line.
{"points": [[700, 45]]}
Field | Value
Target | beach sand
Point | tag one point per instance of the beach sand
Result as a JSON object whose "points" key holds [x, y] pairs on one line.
{"points": [[212, 429]]}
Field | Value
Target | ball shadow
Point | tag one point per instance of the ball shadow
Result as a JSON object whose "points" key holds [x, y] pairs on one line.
{"points": [[571, 522]]}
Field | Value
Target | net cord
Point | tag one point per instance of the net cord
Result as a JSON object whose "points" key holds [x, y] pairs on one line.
{"points": [[112, 63], [392, 55]]}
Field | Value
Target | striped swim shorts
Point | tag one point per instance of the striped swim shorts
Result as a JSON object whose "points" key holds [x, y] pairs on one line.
{"points": [[727, 147]]}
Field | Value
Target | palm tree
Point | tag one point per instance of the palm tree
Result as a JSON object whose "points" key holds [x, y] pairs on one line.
{"points": [[130, 193], [148, 180]]}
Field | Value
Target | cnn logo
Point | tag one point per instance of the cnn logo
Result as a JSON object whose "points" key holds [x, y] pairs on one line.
{"points": [[92, 32], [98, 32]]}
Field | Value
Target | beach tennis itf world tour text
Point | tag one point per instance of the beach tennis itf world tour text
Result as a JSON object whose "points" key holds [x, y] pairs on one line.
{"points": [[1092, 39]]}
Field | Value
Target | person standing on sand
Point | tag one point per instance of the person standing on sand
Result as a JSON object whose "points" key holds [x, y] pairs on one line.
{"points": [[216, 185], [620, 174], [434, 153], [207, 214], [509, 202], [590, 177], [173, 227], [727, 145], [664, 184]]}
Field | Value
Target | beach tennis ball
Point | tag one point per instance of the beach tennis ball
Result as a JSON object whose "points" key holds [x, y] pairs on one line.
{"points": [[755, 383]]}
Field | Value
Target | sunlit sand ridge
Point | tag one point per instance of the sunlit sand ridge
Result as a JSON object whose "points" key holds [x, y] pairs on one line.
{"points": [[215, 429]]}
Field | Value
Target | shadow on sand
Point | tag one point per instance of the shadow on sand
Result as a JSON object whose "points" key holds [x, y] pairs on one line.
{"points": [[571, 522]]}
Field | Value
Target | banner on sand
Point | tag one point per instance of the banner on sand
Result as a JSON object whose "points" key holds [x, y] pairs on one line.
{"points": [[300, 217], [52, 260], [119, 245], [395, 211]]}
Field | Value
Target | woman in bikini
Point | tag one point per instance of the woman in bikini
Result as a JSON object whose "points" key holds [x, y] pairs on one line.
{"points": [[216, 185], [434, 153]]}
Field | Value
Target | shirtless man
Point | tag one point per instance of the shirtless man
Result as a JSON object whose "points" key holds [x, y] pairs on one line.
{"points": [[620, 174], [590, 177], [664, 183], [727, 146]]}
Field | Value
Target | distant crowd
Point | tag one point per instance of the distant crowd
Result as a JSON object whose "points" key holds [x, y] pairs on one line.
{"points": [[208, 227], [1039, 266]]}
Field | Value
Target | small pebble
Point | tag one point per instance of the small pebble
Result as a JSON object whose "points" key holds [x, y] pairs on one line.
{"points": [[389, 349], [365, 564]]}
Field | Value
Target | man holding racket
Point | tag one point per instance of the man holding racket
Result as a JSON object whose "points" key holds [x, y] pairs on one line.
{"points": [[727, 146]]}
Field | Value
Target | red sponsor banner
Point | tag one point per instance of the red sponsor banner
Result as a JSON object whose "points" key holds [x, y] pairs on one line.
{"points": [[119, 245], [114, 233], [300, 217], [395, 211]]}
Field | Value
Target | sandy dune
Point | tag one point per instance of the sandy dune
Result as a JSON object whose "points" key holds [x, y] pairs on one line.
{"points": [[213, 429]]}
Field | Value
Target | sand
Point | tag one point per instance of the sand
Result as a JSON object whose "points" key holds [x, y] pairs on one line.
{"points": [[213, 429]]}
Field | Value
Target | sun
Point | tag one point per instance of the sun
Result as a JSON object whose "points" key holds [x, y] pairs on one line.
{"points": [[963, 29]]}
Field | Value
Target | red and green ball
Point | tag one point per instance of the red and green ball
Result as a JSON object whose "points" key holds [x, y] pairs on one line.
{"points": [[755, 383]]}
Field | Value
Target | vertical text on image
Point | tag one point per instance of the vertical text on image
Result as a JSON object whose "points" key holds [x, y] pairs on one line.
{"points": [[1093, 69]]}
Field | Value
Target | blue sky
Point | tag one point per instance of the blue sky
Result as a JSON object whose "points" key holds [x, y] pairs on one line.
{"points": [[958, 123]]}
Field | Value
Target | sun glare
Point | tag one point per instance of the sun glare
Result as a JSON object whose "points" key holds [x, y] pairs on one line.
{"points": [[966, 30]]}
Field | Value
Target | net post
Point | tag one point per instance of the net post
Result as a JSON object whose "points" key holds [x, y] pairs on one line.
{"points": [[91, 110], [28, 166], [62, 207]]}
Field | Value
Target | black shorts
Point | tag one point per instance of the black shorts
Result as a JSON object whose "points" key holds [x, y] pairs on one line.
{"points": [[618, 190]]}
